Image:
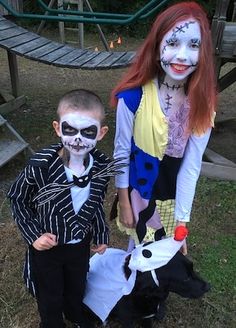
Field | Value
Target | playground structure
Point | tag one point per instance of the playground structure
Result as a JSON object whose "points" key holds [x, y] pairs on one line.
{"points": [[19, 41]]}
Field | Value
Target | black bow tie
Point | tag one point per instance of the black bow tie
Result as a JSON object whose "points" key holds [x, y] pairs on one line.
{"points": [[82, 181]]}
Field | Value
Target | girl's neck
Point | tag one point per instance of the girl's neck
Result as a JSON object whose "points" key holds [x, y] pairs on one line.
{"points": [[169, 85], [171, 94]]}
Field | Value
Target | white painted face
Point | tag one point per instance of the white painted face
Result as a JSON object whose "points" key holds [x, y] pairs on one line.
{"points": [[79, 133], [179, 49]]}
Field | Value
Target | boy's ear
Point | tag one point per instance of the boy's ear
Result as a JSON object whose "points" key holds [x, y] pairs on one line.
{"points": [[104, 129], [56, 127]]}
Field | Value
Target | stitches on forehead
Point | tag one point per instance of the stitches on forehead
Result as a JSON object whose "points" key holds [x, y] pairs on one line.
{"points": [[181, 28]]}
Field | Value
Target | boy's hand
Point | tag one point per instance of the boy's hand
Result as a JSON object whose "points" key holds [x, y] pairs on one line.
{"points": [[44, 242], [100, 249]]}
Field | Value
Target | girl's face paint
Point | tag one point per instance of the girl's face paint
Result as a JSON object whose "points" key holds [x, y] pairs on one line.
{"points": [[79, 133], [179, 49]]}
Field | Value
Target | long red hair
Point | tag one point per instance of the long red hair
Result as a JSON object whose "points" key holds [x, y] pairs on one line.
{"points": [[201, 88]]}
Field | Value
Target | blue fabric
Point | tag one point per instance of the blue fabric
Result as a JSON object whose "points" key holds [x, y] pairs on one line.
{"points": [[143, 168], [132, 98]]}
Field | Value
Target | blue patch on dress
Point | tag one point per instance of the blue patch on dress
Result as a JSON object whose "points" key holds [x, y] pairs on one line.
{"points": [[143, 168], [132, 98]]}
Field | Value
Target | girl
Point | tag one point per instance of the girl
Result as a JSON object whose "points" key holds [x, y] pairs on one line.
{"points": [[165, 109]]}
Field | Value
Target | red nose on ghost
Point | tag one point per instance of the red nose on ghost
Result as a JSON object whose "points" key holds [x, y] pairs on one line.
{"points": [[181, 232]]}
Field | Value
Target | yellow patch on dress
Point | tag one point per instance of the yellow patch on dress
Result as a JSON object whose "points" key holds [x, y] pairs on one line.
{"points": [[150, 124]]}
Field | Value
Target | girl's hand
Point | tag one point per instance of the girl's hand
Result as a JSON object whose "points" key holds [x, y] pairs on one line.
{"points": [[44, 242], [184, 248], [100, 249], [126, 216]]}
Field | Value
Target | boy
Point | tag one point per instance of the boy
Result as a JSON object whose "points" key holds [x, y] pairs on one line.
{"points": [[57, 203]]}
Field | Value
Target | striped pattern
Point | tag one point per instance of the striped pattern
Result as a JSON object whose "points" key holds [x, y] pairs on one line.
{"points": [[57, 216]]}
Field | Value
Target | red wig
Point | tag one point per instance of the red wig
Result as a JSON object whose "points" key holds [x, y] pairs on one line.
{"points": [[201, 85]]}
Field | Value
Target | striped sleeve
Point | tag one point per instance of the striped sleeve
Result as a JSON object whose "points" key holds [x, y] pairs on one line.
{"points": [[100, 229], [23, 210]]}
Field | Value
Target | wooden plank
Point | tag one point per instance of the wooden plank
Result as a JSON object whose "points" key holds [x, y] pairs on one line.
{"points": [[70, 57], [29, 46], [12, 105], [6, 96], [227, 79], [44, 50], [215, 158], [11, 32], [5, 24], [9, 149], [220, 172], [18, 40], [57, 54], [84, 58], [125, 60], [228, 40], [32, 46], [107, 63], [96, 61], [2, 120]]}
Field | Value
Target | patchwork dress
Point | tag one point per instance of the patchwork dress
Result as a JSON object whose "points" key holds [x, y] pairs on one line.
{"points": [[164, 160]]}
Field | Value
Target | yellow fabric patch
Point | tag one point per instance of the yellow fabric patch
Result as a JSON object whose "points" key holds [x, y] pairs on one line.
{"points": [[150, 124], [166, 210]]}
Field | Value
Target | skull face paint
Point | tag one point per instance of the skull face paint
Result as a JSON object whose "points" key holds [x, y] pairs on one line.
{"points": [[79, 133], [179, 49]]}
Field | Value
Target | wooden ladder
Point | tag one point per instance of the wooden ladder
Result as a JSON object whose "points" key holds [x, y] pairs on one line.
{"points": [[11, 143]]}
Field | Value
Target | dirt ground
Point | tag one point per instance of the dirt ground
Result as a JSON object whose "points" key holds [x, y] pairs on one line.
{"points": [[43, 85]]}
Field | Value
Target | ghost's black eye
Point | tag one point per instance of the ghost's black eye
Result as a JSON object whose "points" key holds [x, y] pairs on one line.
{"points": [[146, 253], [68, 130], [89, 132]]}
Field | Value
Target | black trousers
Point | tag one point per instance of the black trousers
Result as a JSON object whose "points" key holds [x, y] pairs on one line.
{"points": [[60, 279]]}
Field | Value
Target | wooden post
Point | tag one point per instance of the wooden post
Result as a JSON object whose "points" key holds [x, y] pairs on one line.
{"points": [[102, 36], [61, 24], [43, 22], [81, 25], [12, 61]]}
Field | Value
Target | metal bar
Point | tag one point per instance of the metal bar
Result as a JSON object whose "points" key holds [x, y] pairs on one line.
{"points": [[93, 20], [75, 12]]}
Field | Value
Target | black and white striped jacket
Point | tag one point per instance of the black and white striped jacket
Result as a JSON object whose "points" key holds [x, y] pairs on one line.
{"points": [[45, 171]]}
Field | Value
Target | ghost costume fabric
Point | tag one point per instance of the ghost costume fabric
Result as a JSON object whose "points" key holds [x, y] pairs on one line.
{"points": [[106, 282]]}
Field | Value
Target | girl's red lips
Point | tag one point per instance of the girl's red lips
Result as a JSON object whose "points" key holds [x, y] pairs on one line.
{"points": [[179, 68]]}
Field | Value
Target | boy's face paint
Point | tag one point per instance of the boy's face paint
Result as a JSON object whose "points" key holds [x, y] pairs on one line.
{"points": [[179, 49], [79, 133]]}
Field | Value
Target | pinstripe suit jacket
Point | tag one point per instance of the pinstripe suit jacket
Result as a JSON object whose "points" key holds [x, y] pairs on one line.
{"points": [[57, 216]]}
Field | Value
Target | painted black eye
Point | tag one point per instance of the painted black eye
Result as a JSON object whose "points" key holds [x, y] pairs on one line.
{"points": [[68, 130], [89, 132]]}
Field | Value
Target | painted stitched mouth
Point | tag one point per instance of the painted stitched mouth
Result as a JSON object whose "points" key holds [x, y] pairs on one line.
{"points": [[78, 147]]}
